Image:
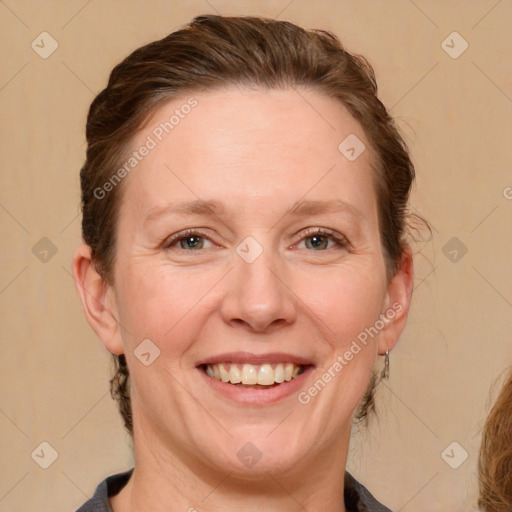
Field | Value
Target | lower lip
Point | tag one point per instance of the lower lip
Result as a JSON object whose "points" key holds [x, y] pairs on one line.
{"points": [[251, 396]]}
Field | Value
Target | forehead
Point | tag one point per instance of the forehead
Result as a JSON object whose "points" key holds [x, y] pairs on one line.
{"points": [[249, 146]]}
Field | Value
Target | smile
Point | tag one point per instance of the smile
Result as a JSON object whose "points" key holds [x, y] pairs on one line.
{"points": [[266, 374], [255, 379]]}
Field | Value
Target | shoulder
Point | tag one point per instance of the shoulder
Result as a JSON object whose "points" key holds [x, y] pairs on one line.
{"points": [[109, 487], [359, 499]]}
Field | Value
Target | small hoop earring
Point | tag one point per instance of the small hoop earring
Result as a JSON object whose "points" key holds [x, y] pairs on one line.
{"points": [[385, 371]]}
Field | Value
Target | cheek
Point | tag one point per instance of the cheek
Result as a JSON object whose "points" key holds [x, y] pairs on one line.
{"points": [[158, 302], [346, 305], [160, 305], [345, 300]]}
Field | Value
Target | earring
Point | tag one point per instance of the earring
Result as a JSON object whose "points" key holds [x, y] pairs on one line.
{"points": [[385, 371]]}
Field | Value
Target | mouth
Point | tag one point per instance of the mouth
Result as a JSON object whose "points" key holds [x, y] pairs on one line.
{"points": [[261, 376], [254, 378]]}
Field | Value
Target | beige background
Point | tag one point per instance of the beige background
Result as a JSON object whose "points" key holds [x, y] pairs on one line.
{"points": [[456, 116]]}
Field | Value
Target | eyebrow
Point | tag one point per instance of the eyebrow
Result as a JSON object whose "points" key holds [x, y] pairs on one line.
{"points": [[196, 207], [213, 208], [303, 208]]}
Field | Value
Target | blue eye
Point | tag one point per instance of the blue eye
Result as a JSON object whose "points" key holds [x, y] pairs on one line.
{"points": [[315, 239], [317, 242], [322, 239], [188, 241], [191, 242]]}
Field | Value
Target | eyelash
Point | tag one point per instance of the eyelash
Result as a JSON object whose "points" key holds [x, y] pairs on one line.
{"points": [[341, 241]]}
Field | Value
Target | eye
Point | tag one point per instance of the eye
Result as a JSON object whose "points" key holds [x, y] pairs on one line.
{"points": [[316, 239], [320, 239], [188, 241]]}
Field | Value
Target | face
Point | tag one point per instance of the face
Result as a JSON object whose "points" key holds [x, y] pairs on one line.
{"points": [[248, 251]]}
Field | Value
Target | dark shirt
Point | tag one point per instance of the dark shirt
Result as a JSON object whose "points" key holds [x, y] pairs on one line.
{"points": [[357, 497]]}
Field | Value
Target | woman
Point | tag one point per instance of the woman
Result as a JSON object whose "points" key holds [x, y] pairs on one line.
{"points": [[245, 260], [495, 462]]}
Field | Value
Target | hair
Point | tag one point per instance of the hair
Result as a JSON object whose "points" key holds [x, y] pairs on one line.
{"points": [[214, 52], [495, 461]]}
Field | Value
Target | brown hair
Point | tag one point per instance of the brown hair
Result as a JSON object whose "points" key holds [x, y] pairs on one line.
{"points": [[495, 461], [213, 52]]}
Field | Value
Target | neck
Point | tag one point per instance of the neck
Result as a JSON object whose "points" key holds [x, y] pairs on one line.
{"points": [[165, 480]]}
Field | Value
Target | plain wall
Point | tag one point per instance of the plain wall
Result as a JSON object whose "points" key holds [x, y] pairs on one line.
{"points": [[455, 114]]}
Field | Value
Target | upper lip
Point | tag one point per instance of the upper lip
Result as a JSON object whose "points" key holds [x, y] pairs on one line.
{"points": [[255, 359]]}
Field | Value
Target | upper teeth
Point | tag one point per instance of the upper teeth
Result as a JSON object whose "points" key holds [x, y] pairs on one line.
{"points": [[264, 374]]}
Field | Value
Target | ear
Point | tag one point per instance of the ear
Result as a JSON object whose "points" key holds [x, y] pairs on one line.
{"points": [[398, 300], [98, 300]]}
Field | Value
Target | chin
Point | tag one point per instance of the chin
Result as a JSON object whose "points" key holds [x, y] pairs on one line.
{"points": [[253, 453]]}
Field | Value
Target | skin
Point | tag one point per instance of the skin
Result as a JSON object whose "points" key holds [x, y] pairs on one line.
{"points": [[258, 153]]}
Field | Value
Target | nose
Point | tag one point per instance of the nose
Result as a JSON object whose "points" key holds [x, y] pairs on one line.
{"points": [[257, 297]]}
